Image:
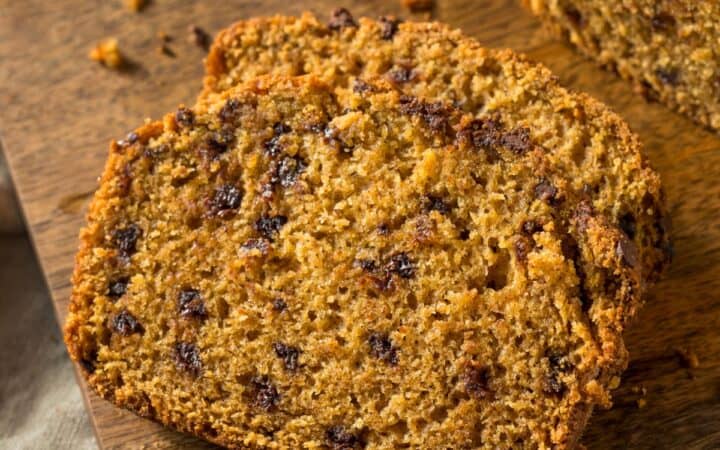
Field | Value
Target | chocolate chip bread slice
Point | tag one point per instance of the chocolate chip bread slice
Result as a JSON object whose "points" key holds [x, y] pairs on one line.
{"points": [[590, 144], [286, 266], [669, 49]]}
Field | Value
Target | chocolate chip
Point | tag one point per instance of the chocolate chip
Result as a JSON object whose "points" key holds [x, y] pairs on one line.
{"points": [[627, 223], [546, 192], [185, 117], [530, 227], [264, 394], [477, 382], [154, 153], [225, 200], [381, 348], [286, 171], [582, 215], [338, 438], [125, 179], [401, 75], [464, 234], [331, 136], [425, 228], [517, 140], [117, 287], [574, 16], [125, 324], [213, 146], [230, 110], [279, 304], [129, 140], [199, 37], [260, 244], [627, 251], [401, 265], [668, 76], [388, 27], [435, 115], [482, 134], [523, 246], [267, 191], [361, 87], [663, 22], [436, 203], [273, 146], [288, 354], [383, 229], [269, 226], [191, 304], [553, 382], [126, 239], [341, 18], [187, 358], [368, 265], [319, 127], [382, 281]]}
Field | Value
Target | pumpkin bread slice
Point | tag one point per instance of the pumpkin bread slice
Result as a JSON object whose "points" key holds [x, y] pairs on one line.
{"points": [[288, 265]]}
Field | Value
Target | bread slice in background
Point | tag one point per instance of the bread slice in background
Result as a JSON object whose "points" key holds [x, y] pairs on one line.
{"points": [[670, 50]]}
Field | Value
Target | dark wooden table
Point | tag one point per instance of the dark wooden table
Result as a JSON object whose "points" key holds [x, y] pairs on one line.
{"points": [[58, 110]]}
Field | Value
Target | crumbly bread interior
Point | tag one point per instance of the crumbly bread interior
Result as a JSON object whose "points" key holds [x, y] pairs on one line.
{"points": [[287, 265], [670, 49], [587, 142]]}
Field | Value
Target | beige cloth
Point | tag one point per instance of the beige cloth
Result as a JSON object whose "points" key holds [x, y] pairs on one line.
{"points": [[40, 403]]}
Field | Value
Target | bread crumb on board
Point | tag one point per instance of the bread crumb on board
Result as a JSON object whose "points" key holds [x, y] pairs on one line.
{"points": [[107, 53], [642, 392], [199, 37], [688, 358], [418, 5], [164, 47], [163, 36], [136, 5]]}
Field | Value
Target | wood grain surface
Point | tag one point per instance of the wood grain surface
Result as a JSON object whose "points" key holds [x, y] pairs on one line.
{"points": [[58, 111]]}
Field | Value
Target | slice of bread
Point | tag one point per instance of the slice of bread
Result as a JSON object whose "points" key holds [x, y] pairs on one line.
{"points": [[289, 265], [668, 49], [583, 138]]}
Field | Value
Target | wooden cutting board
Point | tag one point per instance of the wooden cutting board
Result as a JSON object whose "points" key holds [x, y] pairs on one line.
{"points": [[58, 111]]}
